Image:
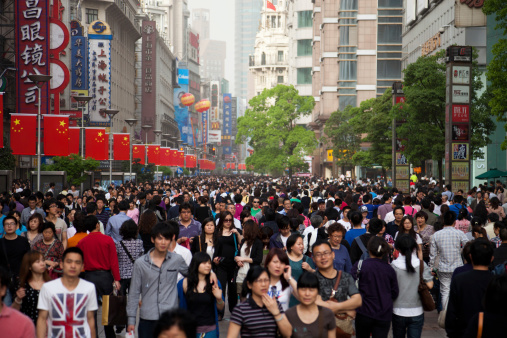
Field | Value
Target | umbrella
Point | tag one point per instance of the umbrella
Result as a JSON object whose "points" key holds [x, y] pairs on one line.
{"points": [[492, 173]]}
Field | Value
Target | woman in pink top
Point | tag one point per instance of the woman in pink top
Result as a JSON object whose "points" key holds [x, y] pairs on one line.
{"points": [[462, 223], [133, 212]]}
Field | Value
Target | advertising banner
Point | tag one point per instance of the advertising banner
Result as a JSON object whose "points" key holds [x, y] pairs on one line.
{"points": [[78, 57], [227, 124], [181, 115]]}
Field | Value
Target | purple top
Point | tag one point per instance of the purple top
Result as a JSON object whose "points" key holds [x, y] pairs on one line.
{"points": [[378, 286]]}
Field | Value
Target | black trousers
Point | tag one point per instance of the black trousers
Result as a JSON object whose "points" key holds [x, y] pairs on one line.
{"points": [[226, 277], [367, 327], [103, 281]]}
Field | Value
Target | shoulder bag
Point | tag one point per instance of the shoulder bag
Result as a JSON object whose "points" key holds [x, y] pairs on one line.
{"points": [[427, 301], [344, 322], [127, 252]]}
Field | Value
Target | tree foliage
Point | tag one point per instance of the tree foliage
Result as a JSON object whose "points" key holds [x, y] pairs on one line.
{"points": [[74, 165], [143, 173], [343, 138], [7, 160], [497, 67], [269, 126]]}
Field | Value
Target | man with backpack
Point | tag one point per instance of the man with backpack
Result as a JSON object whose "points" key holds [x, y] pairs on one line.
{"points": [[358, 246]]}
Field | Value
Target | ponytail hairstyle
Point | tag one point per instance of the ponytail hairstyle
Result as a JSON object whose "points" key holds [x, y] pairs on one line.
{"points": [[406, 245], [377, 247]]}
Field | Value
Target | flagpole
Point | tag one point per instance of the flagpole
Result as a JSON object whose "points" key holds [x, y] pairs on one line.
{"points": [[131, 123], [83, 100], [111, 113]]}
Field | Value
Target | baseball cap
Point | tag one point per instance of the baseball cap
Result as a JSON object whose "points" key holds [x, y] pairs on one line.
{"points": [[364, 209]]}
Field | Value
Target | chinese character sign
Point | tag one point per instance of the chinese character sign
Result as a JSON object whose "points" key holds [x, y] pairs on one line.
{"points": [[204, 128], [149, 75], [99, 73], [227, 123], [79, 57], [32, 53]]}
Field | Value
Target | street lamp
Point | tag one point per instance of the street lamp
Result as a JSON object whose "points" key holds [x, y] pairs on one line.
{"points": [[111, 113], [131, 123], [39, 81], [82, 100], [157, 136], [146, 127]]}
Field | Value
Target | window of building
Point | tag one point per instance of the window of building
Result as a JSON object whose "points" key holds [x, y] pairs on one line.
{"points": [[390, 3], [304, 76], [345, 101], [305, 19], [389, 34], [280, 55], [263, 58], [389, 69], [91, 15], [280, 79], [273, 21], [348, 70], [305, 47]]}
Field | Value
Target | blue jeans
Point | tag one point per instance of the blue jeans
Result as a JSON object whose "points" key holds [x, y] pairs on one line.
{"points": [[211, 334], [146, 328], [410, 327]]}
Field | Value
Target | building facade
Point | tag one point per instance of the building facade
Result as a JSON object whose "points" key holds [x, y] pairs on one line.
{"points": [[269, 64], [201, 22], [356, 56]]}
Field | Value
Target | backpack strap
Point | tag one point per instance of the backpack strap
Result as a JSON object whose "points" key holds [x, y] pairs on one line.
{"points": [[360, 243]]}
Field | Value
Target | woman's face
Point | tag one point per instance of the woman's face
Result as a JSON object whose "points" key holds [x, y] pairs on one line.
{"points": [[336, 238], [276, 267], [205, 268], [420, 221], [261, 285], [16, 215], [120, 198], [33, 224], [131, 205], [39, 266], [209, 228], [308, 296], [48, 234], [298, 247], [407, 225]]}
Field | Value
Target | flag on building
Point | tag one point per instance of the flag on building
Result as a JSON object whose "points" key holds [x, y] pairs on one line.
{"points": [[56, 135], [74, 140], [23, 134], [270, 5], [121, 147], [96, 143], [139, 152]]}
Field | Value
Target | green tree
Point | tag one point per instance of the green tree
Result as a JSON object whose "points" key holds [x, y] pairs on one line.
{"points": [[269, 126], [143, 173], [7, 160], [74, 165], [497, 67]]}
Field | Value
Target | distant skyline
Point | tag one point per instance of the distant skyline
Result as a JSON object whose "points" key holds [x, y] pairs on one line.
{"points": [[221, 28]]}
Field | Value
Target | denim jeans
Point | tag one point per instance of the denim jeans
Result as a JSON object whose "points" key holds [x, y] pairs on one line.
{"points": [[366, 326], [410, 327], [146, 328]]}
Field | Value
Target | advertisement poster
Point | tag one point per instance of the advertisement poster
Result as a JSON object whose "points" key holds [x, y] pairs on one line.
{"points": [[460, 151], [460, 171], [181, 115]]}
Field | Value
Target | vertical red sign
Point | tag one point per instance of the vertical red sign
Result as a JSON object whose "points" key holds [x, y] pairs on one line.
{"points": [[32, 53]]}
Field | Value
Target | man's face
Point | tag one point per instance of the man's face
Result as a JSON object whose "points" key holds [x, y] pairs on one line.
{"points": [[398, 215], [255, 203], [10, 226], [196, 195], [420, 195], [100, 204], [286, 205], [186, 198], [31, 204], [265, 204], [185, 215], [285, 232], [72, 265], [346, 213], [161, 243], [323, 256], [53, 209], [231, 209], [322, 207]]}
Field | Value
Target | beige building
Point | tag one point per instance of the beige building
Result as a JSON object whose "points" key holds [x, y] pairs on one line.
{"points": [[269, 65], [356, 56]]}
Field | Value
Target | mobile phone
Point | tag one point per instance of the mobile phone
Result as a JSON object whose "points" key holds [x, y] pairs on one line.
{"points": [[286, 269]]}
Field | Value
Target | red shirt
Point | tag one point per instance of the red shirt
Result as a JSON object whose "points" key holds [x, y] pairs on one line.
{"points": [[100, 253]]}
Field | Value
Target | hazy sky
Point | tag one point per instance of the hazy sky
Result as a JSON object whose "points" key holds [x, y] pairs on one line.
{"points": [[221, 28]]}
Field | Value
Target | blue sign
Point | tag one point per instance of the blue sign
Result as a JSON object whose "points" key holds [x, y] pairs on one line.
{"points": [[182, 117], [183, 76], [227, 123], [179, 171], [78, 57]]}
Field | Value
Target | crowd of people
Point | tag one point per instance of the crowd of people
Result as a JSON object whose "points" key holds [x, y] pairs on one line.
{"points": [[301, 257]]}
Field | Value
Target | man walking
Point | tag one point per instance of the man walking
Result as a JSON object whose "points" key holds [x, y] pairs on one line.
{"points": [[114, 224]]}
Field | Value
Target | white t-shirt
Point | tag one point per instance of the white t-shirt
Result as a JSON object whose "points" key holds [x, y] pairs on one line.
{"points": [[60, 227], [346, 225], [283, 296], [186, 254], [64, 306], [284, 240]]}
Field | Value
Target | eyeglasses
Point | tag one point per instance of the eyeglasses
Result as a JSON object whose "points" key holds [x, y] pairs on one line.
{"points": [[256, 202], [10, 224], [227, 219], [336, 237], [262, 281], [322, 254], [53, 206]]}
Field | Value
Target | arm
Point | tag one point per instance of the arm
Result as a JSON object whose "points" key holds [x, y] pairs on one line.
{"points": [[64, 239], [331, 333], [433, 251], [256, 253], [351, 304], [91, 322], [133, 298], [109, 228], [42, 328], [234, 330]]}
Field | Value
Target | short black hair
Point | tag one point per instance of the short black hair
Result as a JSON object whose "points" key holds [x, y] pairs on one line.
{"points": [[73, 249], [49, 225], [283, 222], [355, 217], [90, 222], [449, 218], [319, 243], [123, 205], [308, 280], [177, 317], [128, 230], [162, 229], [481, 251], [185, 206]]}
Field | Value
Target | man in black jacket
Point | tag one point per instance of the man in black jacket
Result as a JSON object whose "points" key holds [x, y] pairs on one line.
{"points": [[373, 228]]}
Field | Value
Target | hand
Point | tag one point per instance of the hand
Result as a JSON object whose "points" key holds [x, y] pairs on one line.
{"points": [[117, 285], [240, 264], [306, 266], [270, 303], [213, 278], [191, 240], [287, 272], [216, 260], [131, 328], [216, 291], [21, 293], [238, 259]]}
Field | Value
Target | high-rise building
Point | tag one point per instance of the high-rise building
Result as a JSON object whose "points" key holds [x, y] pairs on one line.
{"points": [[201, 22], [269, 63], [247, 15], [213, 53], [356, 56]]}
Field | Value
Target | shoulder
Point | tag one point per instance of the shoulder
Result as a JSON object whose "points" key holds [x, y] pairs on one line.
{"points": [[325, 312], [292, 312]]}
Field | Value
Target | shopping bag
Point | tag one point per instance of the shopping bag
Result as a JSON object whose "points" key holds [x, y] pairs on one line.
{"points": [[114, 310]]}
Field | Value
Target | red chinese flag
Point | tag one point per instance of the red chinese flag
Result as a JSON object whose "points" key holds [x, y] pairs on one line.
{"points": [[270, 5], [1, 119], [23, 134], [56, 135], [154, 154], [74, 140], [165, 156], [187, 161], [96, 143], [181, 158], [138, 152], [121, 147]]}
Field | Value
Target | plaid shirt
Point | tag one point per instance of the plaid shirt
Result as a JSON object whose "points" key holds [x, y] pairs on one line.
{"points": [[447, 244]]}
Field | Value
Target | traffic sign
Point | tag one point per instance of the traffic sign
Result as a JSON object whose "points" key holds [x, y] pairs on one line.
{"points": [[179, 171]]}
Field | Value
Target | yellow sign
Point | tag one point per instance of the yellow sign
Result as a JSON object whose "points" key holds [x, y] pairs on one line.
{"points": [[99, 27], [433, 43], [330, 155]]}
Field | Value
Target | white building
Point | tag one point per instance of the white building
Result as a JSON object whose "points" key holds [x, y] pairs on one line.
{"points": [[269, 65]]}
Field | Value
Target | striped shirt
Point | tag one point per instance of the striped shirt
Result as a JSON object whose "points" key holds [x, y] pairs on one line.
{"points": [[447, 244], [255, 321]]}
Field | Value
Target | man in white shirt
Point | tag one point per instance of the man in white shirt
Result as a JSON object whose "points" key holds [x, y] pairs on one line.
{"points": [[67, 304], [179, 249]]}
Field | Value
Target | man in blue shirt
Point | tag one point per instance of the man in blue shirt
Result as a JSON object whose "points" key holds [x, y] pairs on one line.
{"points": [[367, 204], [114, 223]]}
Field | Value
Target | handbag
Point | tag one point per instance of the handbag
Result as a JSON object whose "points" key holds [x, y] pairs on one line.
{"points": [[114, 309], [427, 301], [344, 322]]}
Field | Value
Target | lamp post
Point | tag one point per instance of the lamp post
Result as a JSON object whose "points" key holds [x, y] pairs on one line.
{"points": [[131, 123], [39, 81], [111, 113], [146, 127], [82, 100], [157, 136]]}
